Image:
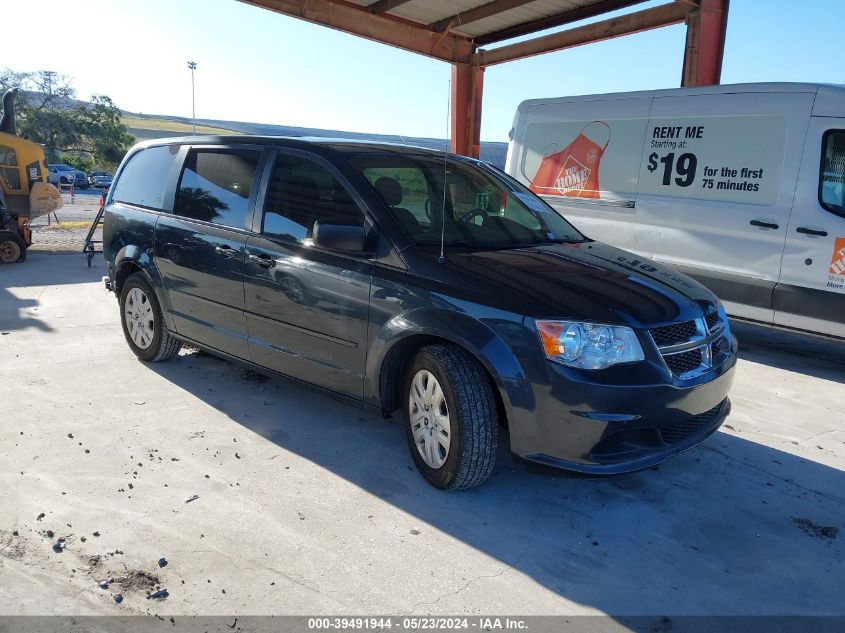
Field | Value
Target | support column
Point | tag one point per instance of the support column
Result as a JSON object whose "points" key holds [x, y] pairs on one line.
{"points": [[467, 88], [705, 48]]}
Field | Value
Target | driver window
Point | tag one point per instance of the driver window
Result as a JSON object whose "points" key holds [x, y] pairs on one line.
{"points": [[301, 193]]}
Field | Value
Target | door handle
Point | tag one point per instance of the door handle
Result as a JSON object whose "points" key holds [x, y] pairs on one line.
{"points": [[224, 250], [263, 260], [764, 225], [806, 231]]}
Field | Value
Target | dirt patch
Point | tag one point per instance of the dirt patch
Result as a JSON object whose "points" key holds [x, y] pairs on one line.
{"points": [[815, 530], [11, 546], [138, 579]]}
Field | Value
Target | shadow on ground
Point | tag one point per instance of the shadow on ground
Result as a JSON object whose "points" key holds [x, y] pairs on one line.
{"points": [[813, 356], [731, 527], [19, 314], [18, 310]]}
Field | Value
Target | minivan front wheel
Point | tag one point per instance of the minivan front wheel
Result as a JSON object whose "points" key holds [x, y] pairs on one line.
{"points": [[450, 417], [142, 321]]}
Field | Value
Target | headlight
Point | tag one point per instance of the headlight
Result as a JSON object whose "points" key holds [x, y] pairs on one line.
{"points": [[589, 345]]}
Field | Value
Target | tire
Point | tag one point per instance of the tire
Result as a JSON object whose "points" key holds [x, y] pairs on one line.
{"points": [[471, 418], [12, 249], [147, 333]]}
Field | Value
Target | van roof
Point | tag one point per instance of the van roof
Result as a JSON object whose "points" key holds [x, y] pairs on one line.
{"points": [[836, 90], [310, 142]]}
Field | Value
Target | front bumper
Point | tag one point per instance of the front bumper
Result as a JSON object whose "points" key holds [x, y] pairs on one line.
{"points": [[601, 428]]}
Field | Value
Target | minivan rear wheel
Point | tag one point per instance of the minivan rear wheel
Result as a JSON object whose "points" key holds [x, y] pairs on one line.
{"points": [[143, 322], [450, 417]]}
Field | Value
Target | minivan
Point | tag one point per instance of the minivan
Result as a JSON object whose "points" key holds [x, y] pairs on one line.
{"points": [[738, 186], [410, 279]]}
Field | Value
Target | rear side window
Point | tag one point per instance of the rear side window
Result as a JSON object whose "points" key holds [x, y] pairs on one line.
{"points": [[301, 193], [832, 180], [216, 185], [144, 179]]}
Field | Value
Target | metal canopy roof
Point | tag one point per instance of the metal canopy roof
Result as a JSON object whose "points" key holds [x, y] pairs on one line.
{"points": [[454, 31], [486, 21]]}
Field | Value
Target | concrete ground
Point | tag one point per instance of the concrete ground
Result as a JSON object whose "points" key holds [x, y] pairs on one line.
{"points": [[220, 491]]}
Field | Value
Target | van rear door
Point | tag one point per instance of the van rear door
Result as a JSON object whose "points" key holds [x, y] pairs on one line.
{"points": [[716, 187], [811, 292]]}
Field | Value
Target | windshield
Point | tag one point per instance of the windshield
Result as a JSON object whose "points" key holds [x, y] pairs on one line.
{"points": [[483, 208]]}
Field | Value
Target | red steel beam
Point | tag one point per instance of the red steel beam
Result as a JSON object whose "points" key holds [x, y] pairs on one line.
{"points": [[467, 89], [558, 19], [355, 19], [705, 46], [663, 15]]}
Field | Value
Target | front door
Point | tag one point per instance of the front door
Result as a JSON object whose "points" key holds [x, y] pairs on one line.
{"points": [[811, 292], [307, 308], [200, 248]]}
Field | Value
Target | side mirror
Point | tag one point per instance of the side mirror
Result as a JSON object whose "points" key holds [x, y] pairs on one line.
{"points": [[339, 237]]}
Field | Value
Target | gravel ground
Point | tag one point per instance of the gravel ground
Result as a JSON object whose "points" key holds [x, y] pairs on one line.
{"points": [[47, 237]]}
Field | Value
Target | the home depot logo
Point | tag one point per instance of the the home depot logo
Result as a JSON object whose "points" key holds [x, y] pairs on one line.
{"points": [[837, 262], [572, 177], [836, 276]]}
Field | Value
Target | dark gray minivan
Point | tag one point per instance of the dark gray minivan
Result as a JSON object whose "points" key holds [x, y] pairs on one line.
{"points": [[410, 279]]}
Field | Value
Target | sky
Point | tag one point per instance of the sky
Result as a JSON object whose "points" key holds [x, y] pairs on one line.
{"points": [[258, 66]]}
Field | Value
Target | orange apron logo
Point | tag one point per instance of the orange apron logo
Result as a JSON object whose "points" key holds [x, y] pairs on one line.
{"points": [[837, 262], [574, 170]]}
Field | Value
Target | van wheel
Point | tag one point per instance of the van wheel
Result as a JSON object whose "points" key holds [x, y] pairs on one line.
{"points": [[450, 417], [143, 323]]}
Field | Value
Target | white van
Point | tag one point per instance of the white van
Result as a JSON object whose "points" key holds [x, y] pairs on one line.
{"points": [[739, 186]]}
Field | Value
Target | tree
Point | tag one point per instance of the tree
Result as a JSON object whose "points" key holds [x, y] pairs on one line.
{"points": [[104, 135], [49, 113]]}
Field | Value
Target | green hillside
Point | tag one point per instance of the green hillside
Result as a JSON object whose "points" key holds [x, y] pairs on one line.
{"points": [[142, 127]]}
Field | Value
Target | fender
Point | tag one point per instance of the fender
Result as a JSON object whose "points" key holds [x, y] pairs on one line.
{"points": [[477, 337], [143, 259]]}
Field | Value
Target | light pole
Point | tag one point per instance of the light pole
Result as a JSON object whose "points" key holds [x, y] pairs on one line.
{"points": [[193, 67]]}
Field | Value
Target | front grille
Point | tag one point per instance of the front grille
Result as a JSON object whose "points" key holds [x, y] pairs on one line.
{"points": [[684, 362], [712, 320], [690, 348], [715, 347], [675, 333], [682, 430]]}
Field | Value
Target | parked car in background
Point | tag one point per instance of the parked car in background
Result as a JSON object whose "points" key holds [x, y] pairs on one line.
{"points": [[416, 281], [100, 179], [65, 175]]}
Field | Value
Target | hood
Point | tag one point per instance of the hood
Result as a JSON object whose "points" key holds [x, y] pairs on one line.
{"points": [[588, 281]]}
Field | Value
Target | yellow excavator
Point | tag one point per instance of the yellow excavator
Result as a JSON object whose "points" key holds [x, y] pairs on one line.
{"points": [[25, 190]]}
